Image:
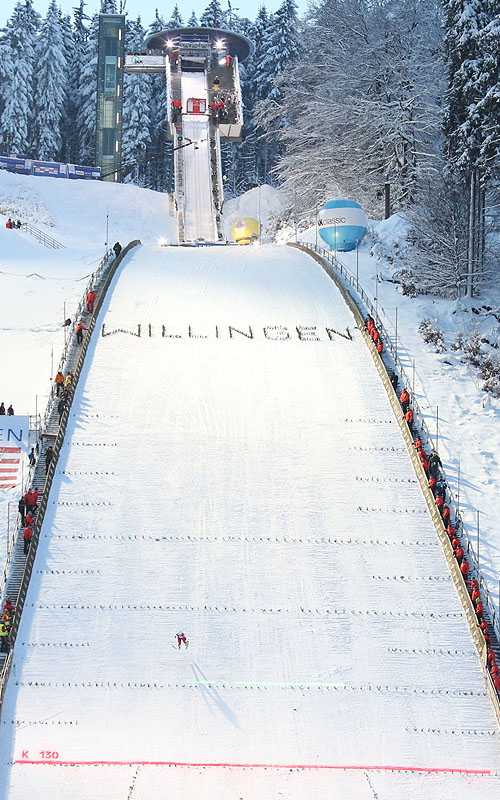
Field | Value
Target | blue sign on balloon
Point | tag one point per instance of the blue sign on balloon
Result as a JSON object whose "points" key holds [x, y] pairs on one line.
{"points": [[341, 224]]}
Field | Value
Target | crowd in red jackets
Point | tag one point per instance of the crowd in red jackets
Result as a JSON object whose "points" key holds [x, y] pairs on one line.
{"points": [[431, 464]]}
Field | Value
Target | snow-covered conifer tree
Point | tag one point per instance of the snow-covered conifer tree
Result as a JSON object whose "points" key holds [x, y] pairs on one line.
{"points": [[213, 16], [87, 111], [74, 93], [17, 115], [68, 123], [158, 24], [6, 68], [137, 109], [157, 171], [282, 47], [193, 20], [109, 7], [50, 87], [231, 20], [175, 20]]}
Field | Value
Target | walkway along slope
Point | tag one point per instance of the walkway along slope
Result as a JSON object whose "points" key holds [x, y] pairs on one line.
{"points": [[236, 472], [457, 576], [19, 596]]}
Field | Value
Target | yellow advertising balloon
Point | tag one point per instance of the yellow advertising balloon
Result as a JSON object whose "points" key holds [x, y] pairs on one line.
{"points": [[245, 230]]}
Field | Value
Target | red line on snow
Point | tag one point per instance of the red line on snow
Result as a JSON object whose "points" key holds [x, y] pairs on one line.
{"points": [[254, 766]]}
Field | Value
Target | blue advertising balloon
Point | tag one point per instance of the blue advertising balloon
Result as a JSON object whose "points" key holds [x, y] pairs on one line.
{"points": [[341, 223]]}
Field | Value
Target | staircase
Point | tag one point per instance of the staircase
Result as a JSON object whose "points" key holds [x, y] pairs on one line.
{"points": [[15, 565]]}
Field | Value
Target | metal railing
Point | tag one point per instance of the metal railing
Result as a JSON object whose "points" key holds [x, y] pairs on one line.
{"points": [[28, 568], [366, 303], [43, 238]]}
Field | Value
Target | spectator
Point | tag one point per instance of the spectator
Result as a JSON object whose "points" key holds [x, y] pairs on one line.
{"points": [[49, 455], [22, 509], [432, 485], [27, 536], [464, 569], [8, 606], [439, 502], [451, 531], [394, 381], [2, 409], [59, 380], [68, 380], [409, 419], [10, 411], [79, 332], [4, 638], [117, 248], [434, 464], [32, 457], [446, 514], [459, 555], [375, 335], [29, 520], [475, 595], [417, 444], [91, 298], [404, 399], [380, 347], [479, 608], [440, 487], [29, 501], [9, 224], [18, 224], [61, 408]]}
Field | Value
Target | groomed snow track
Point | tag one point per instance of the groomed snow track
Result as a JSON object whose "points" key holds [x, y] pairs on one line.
{"points": [[237, 472]]}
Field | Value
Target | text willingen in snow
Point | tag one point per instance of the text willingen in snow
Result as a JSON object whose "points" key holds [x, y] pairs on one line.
{"points": [[274, 333]]}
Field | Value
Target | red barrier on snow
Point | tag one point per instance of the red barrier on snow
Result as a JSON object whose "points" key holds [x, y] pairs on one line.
{"points": [[456, 770]]}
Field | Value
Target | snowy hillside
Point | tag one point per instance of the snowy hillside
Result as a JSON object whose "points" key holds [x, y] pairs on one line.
{"points": [[74, 212], [239, 475]]}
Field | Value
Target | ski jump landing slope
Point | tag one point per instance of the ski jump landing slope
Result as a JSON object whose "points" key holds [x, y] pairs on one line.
{"points": [[256, 494]]}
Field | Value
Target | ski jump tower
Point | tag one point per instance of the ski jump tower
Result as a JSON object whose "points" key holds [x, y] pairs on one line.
{"points": [[204, 103]]}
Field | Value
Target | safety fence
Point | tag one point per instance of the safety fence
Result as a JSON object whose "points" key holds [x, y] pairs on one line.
{"points": [[360, 303], [28, 568], [43, 238]]}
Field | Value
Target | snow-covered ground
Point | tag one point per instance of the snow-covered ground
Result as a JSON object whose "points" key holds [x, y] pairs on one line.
{"points": [[264, 203], [257, 494], [40, 287]]}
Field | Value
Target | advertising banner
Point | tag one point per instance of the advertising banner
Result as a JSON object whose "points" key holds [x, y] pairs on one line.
{"points": [[75, 171], [52, 168], [17, 164], [13, 447]]}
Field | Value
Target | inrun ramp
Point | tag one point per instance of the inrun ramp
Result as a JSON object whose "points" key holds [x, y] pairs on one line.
{"points": [[236, 472], [199, 213]]}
